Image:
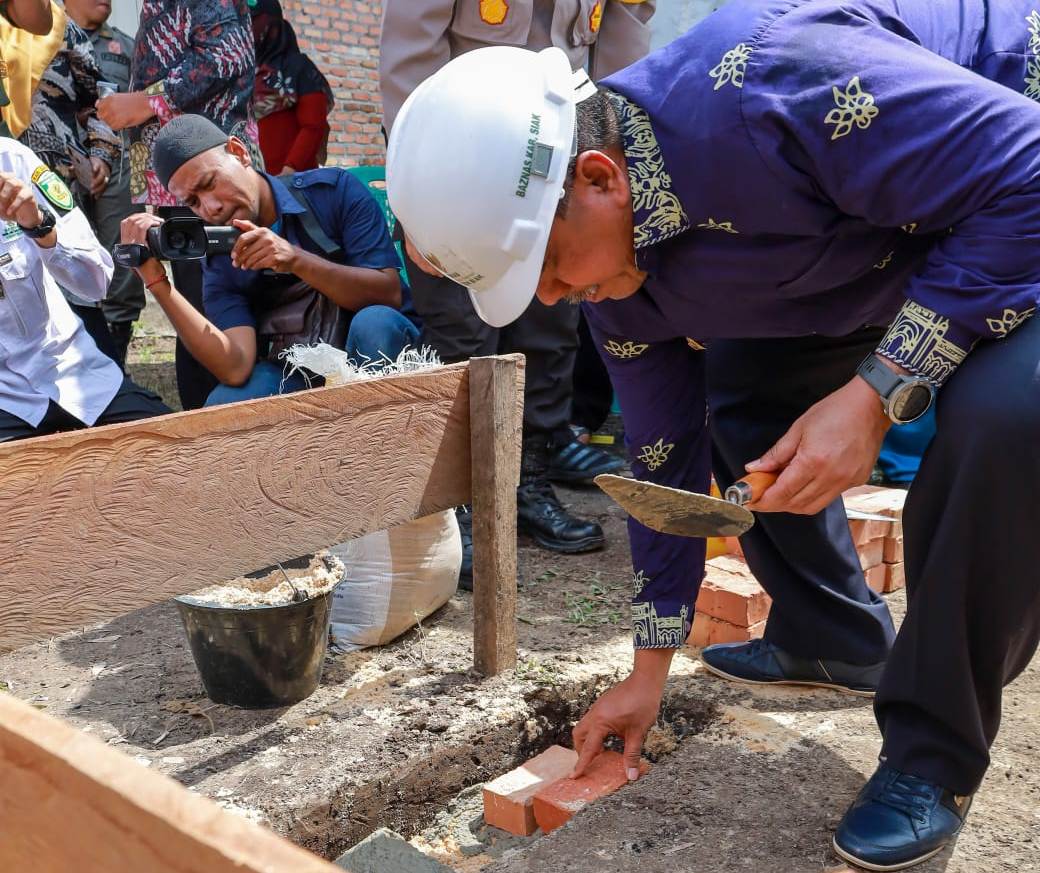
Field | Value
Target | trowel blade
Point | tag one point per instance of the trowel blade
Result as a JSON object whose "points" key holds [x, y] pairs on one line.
{"points": [[672, 511]]}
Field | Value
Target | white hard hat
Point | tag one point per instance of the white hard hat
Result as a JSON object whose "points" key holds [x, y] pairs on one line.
{"points": [[475, 169]]}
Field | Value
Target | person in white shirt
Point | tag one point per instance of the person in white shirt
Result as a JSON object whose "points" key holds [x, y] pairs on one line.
{"points": [[52, 376]]}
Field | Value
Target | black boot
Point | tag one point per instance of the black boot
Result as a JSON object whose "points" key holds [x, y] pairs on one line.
{"points": [[539, 512]]}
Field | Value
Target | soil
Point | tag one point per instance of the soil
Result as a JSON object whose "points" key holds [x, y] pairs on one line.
{"points": [[399, 736]]}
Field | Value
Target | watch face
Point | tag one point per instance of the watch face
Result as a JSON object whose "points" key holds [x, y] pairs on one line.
{"points": [[910, 401]]}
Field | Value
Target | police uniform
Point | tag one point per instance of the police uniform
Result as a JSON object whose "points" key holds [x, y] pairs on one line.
{"points": [[122, 305], [52, 376], [819, 180], [420, 36]]}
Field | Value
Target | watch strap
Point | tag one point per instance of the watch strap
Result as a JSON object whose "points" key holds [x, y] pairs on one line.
{"points": [[882, 379], [44, 227]]}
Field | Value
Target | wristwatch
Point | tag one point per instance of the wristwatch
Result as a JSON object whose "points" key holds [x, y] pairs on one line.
{"points": [[903, 398], [43, 228]]}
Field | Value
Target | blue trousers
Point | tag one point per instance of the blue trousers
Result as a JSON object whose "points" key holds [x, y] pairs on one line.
{"points": [[374, 332]]}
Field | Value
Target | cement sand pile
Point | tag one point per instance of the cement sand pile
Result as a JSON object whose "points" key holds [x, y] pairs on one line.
{"points": [[322, 575]]}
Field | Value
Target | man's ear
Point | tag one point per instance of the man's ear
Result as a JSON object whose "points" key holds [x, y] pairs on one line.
{"points": [[596, 169], [239, 151]]}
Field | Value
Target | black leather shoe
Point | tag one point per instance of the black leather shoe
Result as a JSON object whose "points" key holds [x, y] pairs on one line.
{"points": [[540, 514], [898, 821], [464, 515], [762, 663]]}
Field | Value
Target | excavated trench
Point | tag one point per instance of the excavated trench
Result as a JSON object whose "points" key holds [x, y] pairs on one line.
{"points": [[409, 797]]}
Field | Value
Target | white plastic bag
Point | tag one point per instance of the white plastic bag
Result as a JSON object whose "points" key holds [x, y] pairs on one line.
{"points": [[393, 579]]}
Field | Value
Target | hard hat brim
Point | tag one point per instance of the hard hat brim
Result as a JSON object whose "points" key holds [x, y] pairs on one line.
{"points": [[513, 293]]}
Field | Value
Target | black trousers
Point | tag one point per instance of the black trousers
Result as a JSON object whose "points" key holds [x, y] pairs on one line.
{"points": [[131, 403], [973, 619], [194, 381], [546, 335]]}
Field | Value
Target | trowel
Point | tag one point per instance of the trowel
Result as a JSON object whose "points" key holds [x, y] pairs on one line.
{"points": [[687, 514]]}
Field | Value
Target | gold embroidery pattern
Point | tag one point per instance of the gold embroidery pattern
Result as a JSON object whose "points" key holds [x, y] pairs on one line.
{"points": [[625, 350], [657, 213], [917, 341], [909, 228], [732, 67], [1002, 326], [653, 631], [1033, 22], [655, 456], [596, 17], [712, 224], [639, 582], [854, 106], [885, 261]]}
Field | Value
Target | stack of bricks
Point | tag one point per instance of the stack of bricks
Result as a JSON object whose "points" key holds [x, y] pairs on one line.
{"points": [[732, 607], [879, 543]]}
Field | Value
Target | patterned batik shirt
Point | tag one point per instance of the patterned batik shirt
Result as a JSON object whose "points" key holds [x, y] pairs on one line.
{"points": [[191, 56], [63, 113], [805, 167]]}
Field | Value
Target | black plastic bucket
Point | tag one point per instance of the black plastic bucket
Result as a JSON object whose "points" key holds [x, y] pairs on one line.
{"points": [[259, 657]]}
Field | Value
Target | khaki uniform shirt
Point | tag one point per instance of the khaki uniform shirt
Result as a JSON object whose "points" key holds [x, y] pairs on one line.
{"points": [[420, 36]]}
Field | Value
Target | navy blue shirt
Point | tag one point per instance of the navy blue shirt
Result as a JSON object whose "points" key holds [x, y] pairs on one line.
{"points": [[345, 210]]}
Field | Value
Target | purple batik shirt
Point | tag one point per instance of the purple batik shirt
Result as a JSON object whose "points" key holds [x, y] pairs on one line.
{"points": [[815, 167]]}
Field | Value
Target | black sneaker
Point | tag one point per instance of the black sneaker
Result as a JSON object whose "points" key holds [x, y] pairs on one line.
{"points": [[464, 515], [761, 663], [577, 462], [540, 514]]}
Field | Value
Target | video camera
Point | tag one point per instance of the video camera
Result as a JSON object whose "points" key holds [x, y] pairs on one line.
{"points": [[178, 239]]}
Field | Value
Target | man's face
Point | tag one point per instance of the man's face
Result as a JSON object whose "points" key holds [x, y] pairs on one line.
{"points": [[89, 13], [590, 254], [219, 185]]}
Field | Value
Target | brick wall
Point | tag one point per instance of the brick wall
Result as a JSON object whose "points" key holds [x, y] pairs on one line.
{"points": [[342, 38]]}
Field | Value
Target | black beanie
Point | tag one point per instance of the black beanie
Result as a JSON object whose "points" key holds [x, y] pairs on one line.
{"points": [[182, 139]]}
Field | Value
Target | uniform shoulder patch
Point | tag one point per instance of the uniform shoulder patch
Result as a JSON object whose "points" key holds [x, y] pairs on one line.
{"points": [[53, 188]]}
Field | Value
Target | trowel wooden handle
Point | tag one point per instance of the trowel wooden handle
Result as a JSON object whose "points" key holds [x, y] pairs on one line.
{"points": [[750, 488]]}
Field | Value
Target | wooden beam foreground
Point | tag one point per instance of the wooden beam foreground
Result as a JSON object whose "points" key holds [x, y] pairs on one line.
{"points": [[102, 521], [495, 425], [70, 802]]}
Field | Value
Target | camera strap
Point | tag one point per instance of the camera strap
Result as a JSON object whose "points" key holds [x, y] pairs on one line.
{"points": [[311, 227]]}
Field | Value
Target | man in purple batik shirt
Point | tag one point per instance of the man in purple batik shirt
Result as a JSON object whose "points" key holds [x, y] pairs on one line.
{"points": [[799, 224]]}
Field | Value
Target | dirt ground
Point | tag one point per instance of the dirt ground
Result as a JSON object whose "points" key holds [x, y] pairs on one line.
{"points": [[399, 736]]}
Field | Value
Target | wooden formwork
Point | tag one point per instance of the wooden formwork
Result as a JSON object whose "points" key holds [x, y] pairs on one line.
{"points": [[102, 521]]}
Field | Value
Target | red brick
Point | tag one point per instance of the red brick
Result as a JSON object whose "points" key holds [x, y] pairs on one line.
{"points": [[879, 501], [876, 578], [556, 804], [894, 550], [708, 631], [508, 800], [863, 530], [730, 593], [871, 554], [895, 577]]}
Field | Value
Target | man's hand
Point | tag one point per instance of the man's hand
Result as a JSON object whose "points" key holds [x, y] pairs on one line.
{"points": [[17, 201], [628, 711], [134, 229], [101, 175], [829, 449], [260, 248], [120, 111]]}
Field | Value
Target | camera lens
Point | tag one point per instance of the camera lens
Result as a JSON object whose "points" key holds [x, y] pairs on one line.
{"points": [[178, 240]]}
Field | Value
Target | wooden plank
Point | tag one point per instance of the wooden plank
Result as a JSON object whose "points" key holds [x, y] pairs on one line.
{"points": [[496, 404], [69, 802], [102, 521]]}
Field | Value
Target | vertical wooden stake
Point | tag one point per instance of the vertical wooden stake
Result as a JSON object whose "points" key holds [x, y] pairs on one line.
{"points": [[495, 422]]}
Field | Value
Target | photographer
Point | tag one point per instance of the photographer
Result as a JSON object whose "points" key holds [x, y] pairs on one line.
{"points": [[314, 261], [52, 376]]}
